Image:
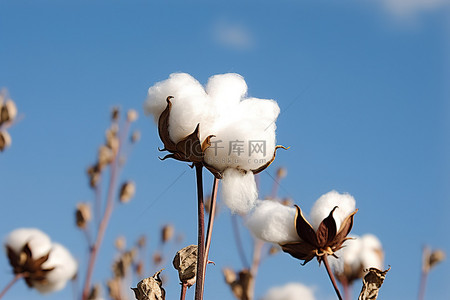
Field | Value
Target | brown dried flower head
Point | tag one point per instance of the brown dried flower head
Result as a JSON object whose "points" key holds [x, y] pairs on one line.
{"points": [[167, 233], [5, 140], [325, 241], [185, 261], [432, 258], [83, 215], [127, 191], [150, 288]]}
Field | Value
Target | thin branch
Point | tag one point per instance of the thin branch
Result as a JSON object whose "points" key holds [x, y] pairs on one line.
{"points": [[212, 213], [11, 283], [423, 284], [201, 233], [183, 291], [330, 274]]}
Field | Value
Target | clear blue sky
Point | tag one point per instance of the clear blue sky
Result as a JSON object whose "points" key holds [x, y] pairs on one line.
{"points": [[363, 90]]}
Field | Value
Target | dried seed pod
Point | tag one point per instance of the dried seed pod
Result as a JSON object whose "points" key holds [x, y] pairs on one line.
{"points": [[8, 112], [150, 288], [94, 173], [167, 233], [185, 261], [127, 191], [281, 172], [157, 258], [240, 285], [140, 268], [105, 156], [132, 115], [115, 113], [96, 292], [120, 243], [114, 287], [372, 283], [142, 241], [5, 140], [432, 258], [135, 136], [83, 215]]}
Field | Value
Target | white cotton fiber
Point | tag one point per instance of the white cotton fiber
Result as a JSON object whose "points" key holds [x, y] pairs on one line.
{"points": [[325, 204], [290, 291], [372, 252], [273, 222], [239, 191], [64, 268], [226, 90], [349, 254], [38, 241]]}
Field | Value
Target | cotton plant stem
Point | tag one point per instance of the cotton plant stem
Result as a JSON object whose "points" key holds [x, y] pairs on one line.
{"points": [[11, 283], [201, 233], [212, 213], [330, 274], [346, 288], [183, 291], [423, 284], [114, 174], [256, 262]]}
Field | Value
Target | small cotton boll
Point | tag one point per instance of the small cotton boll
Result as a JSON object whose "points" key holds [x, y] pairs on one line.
{"points": [[65, 268], [290, 291], [348, 255], [371, 254], [325, 204], [38, 241], [239, 191], [273, 222]]}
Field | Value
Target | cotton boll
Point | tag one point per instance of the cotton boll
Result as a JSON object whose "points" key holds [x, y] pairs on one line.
{"points": [[349, 255], [290, 291], [325, 204], [38, 241], [371, 252], [239, 191], [226, 90], [273, 222], [64, 268]]}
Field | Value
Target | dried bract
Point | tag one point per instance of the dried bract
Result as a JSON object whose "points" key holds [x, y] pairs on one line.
{"points": [[372, 283], [185, 261], [5, 140], [83, 215], [167, 233], [127, 191], [325, 241], [240, 284], [150, 288]]}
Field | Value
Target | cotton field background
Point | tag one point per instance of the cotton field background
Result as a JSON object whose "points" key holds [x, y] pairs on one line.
{"points": [[363, 96]]}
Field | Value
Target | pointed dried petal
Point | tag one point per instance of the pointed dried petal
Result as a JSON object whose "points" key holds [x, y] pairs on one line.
{"points": [[344, 230], [327, 230], [304, 230], [207, 143], [191, 147], [163, 127], [263, 167], [300, 250]]}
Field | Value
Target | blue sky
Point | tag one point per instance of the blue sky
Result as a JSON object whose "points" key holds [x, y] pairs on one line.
{"points": [[363, 92]]}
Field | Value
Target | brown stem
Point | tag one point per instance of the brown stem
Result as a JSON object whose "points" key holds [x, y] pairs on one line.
{"points": [[423, 284], [183, 291], [212, 213], [11, 283], [105, 219], [346, 288], [201, 233], [330, 274], [257, 251]]}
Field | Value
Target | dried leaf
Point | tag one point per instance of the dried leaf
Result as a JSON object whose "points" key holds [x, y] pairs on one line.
{"points": [[372, 283], [327, 230], [83, 215], [127, 191], [304, 229], [150, 288], [185, 261]]}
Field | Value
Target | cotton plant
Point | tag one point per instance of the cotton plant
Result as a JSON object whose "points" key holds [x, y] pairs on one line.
{"points": [[44, 265], [220, 128], [359, 254], [331, 221], [290, 291]]}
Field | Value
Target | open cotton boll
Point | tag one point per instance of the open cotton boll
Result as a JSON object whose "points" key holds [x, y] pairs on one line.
{"points": [[325, 204], [290, 291], [239, 191], [272, 222], [371, 252], [226, 90], [64, 268], [38, 241], [349, 254]]}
